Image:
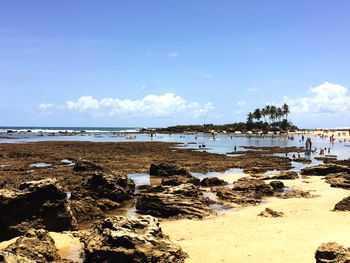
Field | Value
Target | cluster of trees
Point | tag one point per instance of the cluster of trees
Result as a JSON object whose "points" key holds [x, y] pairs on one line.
{"points": [[277, 117], [274, 113]]}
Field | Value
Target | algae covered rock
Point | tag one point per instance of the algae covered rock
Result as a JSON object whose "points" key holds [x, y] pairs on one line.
{"points": [[131, 239]]}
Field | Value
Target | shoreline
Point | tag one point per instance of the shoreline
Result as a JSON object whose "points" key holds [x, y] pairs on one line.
{"points": [[228, 236], [237, 235]]}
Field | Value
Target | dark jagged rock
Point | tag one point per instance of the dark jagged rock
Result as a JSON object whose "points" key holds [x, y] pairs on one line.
{"points": [[35, 204], [294, 193], [302, 160], [325, 169], [166, 169], [340, 180], [227, 195], [289, 175], [257, 186], [343, 205], [213, 181], [116, 187], [131, 239], [180, 201], [277, 185], [100, 192], [332, 253], [268, 212], [179, 179], [85, 166], [34, 246]]}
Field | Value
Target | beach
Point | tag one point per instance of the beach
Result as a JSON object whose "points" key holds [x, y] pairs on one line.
{"points": [[243, 236], [190, 194]]}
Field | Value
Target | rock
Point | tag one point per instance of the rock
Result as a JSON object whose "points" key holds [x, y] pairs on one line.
{"points": [[294, 193], [7, 257], [277, 185], [302, 160], [85, 166], [116, 187], [34, 246], [340, 180], [252, 185], [343, 205], [35, 204], [270, 213], [131, 239], [100, 192], [166, 169], [289, 175], [180, 201], [332, 253], [212, 181], [179, 179], [325, 169], [241, 199]]}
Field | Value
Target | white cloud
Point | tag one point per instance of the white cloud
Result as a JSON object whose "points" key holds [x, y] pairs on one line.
{"points": [[326, 98], [173, 54], [46, 106], [167, 105]]}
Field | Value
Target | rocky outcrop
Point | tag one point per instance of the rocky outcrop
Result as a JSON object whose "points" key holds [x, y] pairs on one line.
{"points": [[294, 193], [179, 179], [35, 204], [227, 195], [286, 175], [116, 187], [130, 239], [184, 200], [332, 253], [34, 246], [101, 191], [325, 169], [166, 169], [213, 181], [343, 205], [277, 185], [85, 166], [268, 212], [302, 160], [340, 180], [256, 186]]}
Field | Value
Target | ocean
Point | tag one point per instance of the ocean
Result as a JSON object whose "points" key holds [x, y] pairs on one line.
{"points": [[221, 144]]}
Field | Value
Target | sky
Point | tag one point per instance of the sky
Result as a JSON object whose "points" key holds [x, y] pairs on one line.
{"points": [[157, 63]]}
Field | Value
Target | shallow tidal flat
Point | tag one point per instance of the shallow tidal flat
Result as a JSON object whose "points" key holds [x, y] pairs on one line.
{"points": [[207, 220]]}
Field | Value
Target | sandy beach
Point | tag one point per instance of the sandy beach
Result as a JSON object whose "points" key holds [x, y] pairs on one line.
{"points": [[242, 236]]}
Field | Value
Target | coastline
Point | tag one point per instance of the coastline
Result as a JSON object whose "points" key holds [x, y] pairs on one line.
{"points": [[237, 235], [229, 235]]}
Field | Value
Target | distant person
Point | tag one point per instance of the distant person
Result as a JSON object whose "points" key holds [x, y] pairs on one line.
{"points": [[235, 149]]}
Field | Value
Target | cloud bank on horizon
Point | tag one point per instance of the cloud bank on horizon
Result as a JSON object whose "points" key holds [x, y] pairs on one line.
{"points": [[167, 105], [327, 98]]}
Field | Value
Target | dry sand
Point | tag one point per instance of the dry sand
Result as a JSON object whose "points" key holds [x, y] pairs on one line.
{"points": [[242, 236]]}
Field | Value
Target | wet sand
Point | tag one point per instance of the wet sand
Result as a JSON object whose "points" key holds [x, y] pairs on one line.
{"points": [[242, 236]]}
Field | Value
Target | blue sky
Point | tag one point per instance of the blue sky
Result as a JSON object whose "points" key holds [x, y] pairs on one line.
{"points": [[159, 63]]}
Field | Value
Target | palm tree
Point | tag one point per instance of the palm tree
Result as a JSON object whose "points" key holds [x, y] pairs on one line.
{"points": [[263, 113], [250, 117], [257, 114], [279, 113], [273, 111], [268, 111], [285, 109]]}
